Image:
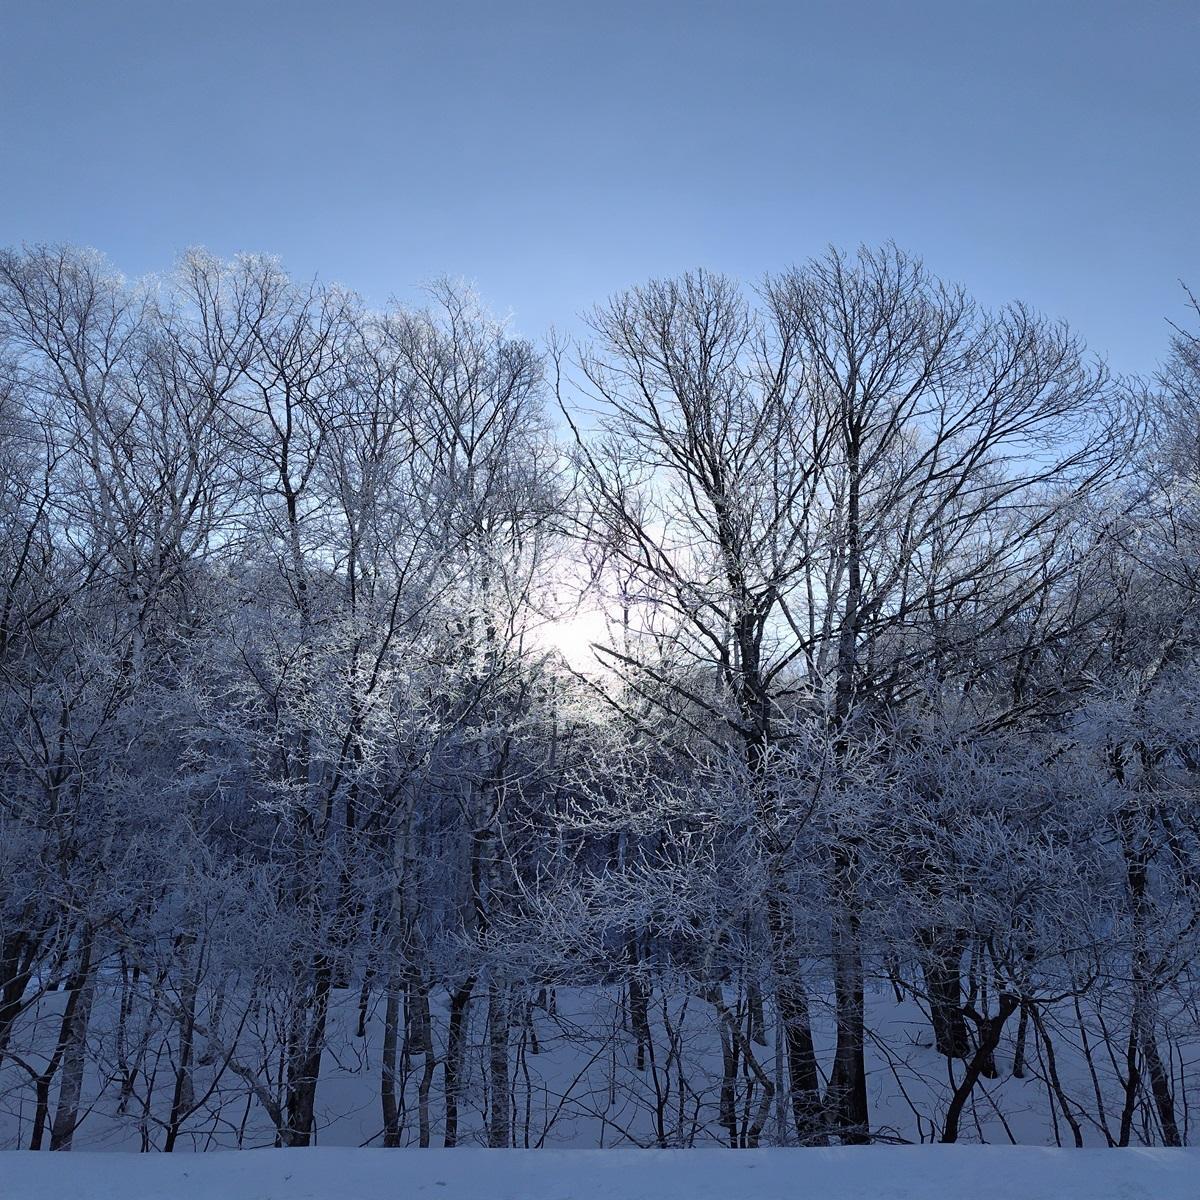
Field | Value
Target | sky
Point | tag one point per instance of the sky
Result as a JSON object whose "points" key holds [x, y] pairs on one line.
{"points": [[555, 152]]}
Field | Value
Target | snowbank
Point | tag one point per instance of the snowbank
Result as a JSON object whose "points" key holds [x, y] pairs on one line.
{"points": [[891, 1172]]}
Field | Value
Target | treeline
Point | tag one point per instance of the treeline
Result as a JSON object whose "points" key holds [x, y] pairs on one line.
{"points": [[892, 700]]}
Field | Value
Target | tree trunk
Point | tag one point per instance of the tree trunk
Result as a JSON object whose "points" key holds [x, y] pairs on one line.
{"points": [[1160, 1089], [304, 1059], [758, 1020], [846, 1096], [989, 1038], [1141, 1034], [418, 1004], [456, 1040], [942, 952], [183, 1097], [639, 1002], [727, 1112], [792, 1000], [18, 955], [73, 1040], [1018, 1068], [388, 1090], [499, 1021]]}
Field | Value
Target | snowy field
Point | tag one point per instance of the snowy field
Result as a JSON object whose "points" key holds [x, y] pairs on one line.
{"points": [[891, 1172]]}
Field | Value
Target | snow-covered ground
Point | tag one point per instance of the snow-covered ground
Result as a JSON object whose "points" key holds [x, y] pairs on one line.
{"points": [[580, 1089], [891, 1172]]}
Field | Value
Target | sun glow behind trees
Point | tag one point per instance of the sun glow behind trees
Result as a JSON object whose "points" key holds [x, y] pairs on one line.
{"points": [[577, 633]]}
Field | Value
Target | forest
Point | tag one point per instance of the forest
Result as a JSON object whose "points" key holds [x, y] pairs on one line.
{"points": [[769, 716]]}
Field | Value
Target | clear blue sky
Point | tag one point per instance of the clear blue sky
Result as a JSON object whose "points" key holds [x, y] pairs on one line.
{"points": [[555, 151]]}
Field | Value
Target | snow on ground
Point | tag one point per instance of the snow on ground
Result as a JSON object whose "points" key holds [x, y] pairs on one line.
{"points": [[581, 1089], [867, 1173]]}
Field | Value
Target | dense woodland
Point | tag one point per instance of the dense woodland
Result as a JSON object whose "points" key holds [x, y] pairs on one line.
{"points": [[892, 706]]}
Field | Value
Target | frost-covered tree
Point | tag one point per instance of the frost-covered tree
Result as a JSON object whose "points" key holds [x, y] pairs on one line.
{"points": [[877, 782]]}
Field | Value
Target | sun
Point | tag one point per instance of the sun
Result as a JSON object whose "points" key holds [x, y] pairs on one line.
{"points": [[573, 635]]}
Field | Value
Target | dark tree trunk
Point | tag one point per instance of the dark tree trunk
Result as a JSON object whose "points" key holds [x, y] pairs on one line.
{"points": [[942, 952], [758, 1020], [792, 1000], [727, 1111], [422, 1026], [182, 1097], [639, 1002], [846, 1096], [1160, 1089], [73, 1043], [1018, 1068], [460, 1003], [389, 1091], [304, 1059], [989, 1038], [1138, 855], [499, 1023], [18, 955]]}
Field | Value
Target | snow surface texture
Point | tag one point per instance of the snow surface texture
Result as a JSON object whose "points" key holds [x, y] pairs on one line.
{"points": [[870, 1173]]}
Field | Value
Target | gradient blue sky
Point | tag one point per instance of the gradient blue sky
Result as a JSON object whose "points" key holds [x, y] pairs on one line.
{"points": [[554, 152]]}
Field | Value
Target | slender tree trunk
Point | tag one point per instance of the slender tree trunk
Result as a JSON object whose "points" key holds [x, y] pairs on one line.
{"points": [[1160, 1089], [183, 1096], [807, 1109], [18, 955], [129, 982], [758, 1020], [639, 1001], [418, 999], [499, 1022], [388, 1089], [1132, 1079], [1052, 1073], [792, 1000], [456, 1042], [736, 1047], [364, 991], [73, 1040], [727, 1112], [846, 1096], [1141, 1034], [1018, 1068], [989, 1038], [304, 1065]]}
